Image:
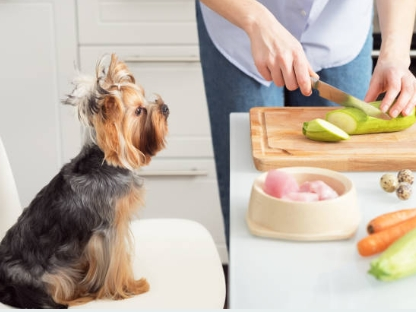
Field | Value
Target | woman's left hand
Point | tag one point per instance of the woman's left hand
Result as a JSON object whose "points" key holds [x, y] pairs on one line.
{"points": [[399, 85]]}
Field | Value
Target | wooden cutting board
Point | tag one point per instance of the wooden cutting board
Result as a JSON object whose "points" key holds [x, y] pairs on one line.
{"points": [[277, 141]]}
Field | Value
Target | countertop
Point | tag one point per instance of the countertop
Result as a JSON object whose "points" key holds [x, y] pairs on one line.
{"points": [[272, 273]]}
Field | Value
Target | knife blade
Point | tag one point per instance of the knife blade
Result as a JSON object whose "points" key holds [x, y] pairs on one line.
{"points": [[338, 96]]}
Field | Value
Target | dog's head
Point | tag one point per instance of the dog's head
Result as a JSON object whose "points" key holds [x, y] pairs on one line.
{"points": [[127, 127]]}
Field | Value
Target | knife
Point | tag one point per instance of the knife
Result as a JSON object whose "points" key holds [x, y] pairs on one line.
{"points": [[335, 95]]}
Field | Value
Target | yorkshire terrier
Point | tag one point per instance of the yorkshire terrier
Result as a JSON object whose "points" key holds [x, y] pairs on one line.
{"points": [[72, 244]]}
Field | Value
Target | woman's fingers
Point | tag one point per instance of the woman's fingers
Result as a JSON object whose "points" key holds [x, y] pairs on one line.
{"points": [[399, 85], [292, 72], [405, 100]]}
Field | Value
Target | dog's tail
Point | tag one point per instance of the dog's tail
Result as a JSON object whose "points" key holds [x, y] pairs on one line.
{"points": [[25, 297]]}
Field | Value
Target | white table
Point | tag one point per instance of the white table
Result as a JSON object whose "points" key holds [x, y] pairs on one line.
{"points": [[271, 273]]}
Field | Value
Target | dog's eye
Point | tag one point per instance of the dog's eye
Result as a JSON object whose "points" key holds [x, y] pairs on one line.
{"points": [[139, 111]]}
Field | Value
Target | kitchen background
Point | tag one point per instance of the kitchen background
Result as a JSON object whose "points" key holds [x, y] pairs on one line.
{"points": [[44, 41]]}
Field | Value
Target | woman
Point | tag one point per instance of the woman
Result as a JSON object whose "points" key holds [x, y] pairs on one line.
{"points": [[263, 53]]}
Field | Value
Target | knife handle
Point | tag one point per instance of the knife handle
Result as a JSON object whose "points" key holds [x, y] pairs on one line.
{"points": [[314, 82]]}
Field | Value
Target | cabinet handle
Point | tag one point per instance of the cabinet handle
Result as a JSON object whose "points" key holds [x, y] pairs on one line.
{"points": [[162, 59], [182, 173]]}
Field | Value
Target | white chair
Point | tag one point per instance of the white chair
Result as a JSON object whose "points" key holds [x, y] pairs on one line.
{"points": [[178, 258], [10, 207]]}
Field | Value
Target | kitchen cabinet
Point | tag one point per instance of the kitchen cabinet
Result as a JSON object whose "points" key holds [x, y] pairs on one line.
{"points": [[38, 53]]}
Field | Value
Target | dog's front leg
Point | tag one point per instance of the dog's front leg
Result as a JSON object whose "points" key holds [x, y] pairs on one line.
{"points": [[119, 281]]}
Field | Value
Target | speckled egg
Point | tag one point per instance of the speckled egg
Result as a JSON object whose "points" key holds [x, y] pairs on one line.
{"points": [[405, 175], [389, 182], [404, 190]]}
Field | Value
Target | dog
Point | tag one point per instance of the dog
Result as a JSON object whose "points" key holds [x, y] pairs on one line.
{"points": [[72, 244]]}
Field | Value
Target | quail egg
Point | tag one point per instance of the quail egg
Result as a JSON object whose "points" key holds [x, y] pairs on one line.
{"points": [[405, 175], [389, 182], [404, 190]]}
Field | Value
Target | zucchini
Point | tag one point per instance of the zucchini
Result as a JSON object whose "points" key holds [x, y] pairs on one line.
{"points": [[355, 121], [398, 260], [320, 130]]}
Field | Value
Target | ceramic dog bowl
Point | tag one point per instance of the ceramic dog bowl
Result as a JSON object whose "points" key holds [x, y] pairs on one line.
{"points": [[331, 219]]}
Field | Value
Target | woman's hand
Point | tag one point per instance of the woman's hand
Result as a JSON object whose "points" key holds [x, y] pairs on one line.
{"points": [[278, 55], [398, 83], [391, 74]]}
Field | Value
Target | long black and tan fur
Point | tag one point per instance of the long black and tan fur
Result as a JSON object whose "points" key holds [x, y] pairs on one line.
{"points": [[72, 243]]}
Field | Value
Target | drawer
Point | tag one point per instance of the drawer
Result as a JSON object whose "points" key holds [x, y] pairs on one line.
{"points": [[137, 22], [185, 189], [179, 168], [176, 75]]}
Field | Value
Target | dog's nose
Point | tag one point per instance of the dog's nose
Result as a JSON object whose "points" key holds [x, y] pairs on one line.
{"points": [[164, 109]]}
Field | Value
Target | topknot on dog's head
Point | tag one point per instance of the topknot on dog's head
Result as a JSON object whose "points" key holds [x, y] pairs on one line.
{"points": [[89, 91], [116, 74]]}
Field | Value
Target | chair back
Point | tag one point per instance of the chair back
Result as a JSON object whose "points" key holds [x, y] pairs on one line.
{"points": [[10, 207]]}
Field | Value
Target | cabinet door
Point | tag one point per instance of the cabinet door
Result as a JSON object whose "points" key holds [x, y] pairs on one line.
{"points": [[138, 22], [38, 53]]}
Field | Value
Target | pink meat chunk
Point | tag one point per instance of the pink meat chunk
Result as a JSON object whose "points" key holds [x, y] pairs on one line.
{"points": [[279, 183], [301, 196], [319, 187]]}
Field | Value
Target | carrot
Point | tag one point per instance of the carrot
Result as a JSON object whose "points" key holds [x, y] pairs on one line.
{"points": [[379, 241], [386, 220]]}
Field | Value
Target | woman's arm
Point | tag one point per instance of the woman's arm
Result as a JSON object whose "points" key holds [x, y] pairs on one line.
{"points": [[392, 74], [277, 55]]}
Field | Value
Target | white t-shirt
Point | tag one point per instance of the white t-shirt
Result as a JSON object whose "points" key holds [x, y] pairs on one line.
{"points": [[332, 32]]}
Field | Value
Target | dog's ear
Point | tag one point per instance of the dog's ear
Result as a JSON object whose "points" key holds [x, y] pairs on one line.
{"points": [[111, 111], [106, 124], [111, 136]]}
